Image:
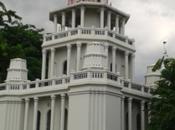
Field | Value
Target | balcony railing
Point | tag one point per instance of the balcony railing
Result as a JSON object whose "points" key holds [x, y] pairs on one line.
{"points": [[88, 32], [98, 77]]}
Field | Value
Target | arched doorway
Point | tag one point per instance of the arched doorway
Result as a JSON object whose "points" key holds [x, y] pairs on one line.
{"points": [[66, 119], [138, 120], [38, 120], [48, 119]]}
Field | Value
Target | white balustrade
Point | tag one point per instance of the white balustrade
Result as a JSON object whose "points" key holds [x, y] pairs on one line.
{"points": [[88, 74], [88, 31]]}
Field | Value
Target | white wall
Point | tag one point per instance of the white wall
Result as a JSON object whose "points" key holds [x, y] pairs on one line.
{"points": [[113, 112], [92, 18], [11, 114]]}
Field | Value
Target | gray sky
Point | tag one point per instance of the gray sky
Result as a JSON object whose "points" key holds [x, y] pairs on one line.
{"points": [[151, 22]]}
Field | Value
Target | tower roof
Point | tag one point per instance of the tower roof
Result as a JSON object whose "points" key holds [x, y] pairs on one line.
{"points": [[72, 2]]}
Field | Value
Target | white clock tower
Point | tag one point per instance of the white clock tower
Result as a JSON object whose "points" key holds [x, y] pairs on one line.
{"points": [[87, 76]]}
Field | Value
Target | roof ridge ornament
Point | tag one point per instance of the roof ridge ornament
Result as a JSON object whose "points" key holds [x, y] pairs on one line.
{"points": [[165, 53]]}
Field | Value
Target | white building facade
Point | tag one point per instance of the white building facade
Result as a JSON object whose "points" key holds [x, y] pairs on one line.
{"points": [[87, 76]]}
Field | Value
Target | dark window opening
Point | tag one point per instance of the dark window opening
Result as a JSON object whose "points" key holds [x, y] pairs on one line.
{"points": [[111, 67], [65, 67]]}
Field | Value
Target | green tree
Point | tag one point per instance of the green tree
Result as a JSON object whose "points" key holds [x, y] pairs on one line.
{"points": [[163, 101], [19, 40]]}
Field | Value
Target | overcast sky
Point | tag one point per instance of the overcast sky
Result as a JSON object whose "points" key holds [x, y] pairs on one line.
{"points": [[151, 22]]}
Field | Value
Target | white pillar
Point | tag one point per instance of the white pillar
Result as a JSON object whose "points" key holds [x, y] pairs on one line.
{"points": [[102, 17], [123, 112], [52, 62], [107, 55], [109, 20], [26, 113], [82, 16], [123, 26], [114, 59], [126, 64], [73, 18], [78, 56], [62, 111], [142, 115], [43, 76], [117, 23], [35, 113], [132, 66], [149, 112], [130, 114], [63, 20], [68, 58], [55, 23], [52, 112]]}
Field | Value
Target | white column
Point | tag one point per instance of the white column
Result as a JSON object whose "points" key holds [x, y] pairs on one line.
{"points": [[142, 115], [26, 113], [123, 112], [78, 56], [63, 20], [62, 111], [149, 112], [107, 55], [73, 18], [68, 58], [102, 17], [43, 76], [126, 64], [130, 114], [132, 66], [52, 62], [114, 59], [52, 112], [82, 16], [123, 26], [109, 20], [117, 23], [35, 113], [55, 23]]}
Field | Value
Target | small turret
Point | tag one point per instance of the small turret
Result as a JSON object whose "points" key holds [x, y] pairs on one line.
{"points": [[94, 56], [151, 77], [17, 71]]}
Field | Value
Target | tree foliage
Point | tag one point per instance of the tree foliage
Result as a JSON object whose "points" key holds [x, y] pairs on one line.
{"points": [[163, 102], [19, 40]]}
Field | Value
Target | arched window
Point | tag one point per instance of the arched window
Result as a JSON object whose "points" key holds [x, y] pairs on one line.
{"points": [[138, 120], [38, 120], [66, 119], [65, 67], [48, 119]]}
